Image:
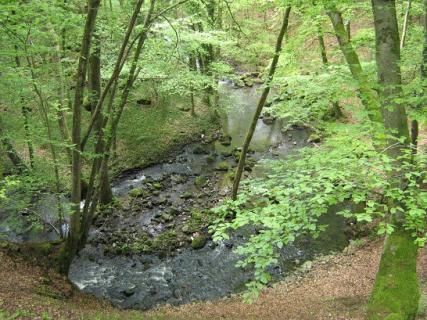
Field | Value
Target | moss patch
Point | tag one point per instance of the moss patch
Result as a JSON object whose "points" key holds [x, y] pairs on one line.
{"points": [[148, 135], [396, 293]]}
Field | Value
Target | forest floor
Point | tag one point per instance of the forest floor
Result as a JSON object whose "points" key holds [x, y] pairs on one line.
{"points": [[335, 287]]}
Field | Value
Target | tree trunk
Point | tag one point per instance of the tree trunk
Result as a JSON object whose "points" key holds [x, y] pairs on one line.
{"points": [[261, 103], [113, 120], [72, 243], [395, 294], [367, 95], [423, 69], [116, 72], [405, 24], [336, 107]]}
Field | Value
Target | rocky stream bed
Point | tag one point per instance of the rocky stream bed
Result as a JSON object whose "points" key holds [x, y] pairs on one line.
{"points": [[153, 247]]}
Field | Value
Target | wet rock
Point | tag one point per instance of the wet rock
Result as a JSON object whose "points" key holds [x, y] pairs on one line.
{"points": [[268, 119], [226, 154], [222, 166], [162, 200], [225, 140], [200, 150], [128, 292], [179, 179]]}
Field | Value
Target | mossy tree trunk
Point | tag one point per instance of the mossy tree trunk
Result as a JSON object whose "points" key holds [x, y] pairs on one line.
{"points": [[395, 294], [367, 95]]}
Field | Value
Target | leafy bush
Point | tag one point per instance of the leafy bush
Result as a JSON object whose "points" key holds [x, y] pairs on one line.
{"points": [[288, 202]]}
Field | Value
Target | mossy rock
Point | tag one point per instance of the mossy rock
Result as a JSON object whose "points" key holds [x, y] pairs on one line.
{"points": [[187, 229], [200, 182], [236, 155], [165, 242], [248, 82], [166, 217], [187, 195], [314, 138], [222, 166], [136, 193], [250, 163], [157, 186], [231, 175], [199, 241]]}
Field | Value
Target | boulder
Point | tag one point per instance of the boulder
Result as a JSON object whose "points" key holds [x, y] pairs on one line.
{"points": [[199, 241]]}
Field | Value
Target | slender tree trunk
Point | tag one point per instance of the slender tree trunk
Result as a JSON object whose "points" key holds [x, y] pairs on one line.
{"points": [[193, 67], [395, 294], [367, 95], [336, 107], [72, 244], [261, 103], [423, 69], [113, 121], [116, 72], [405, 24], [25, 113]]}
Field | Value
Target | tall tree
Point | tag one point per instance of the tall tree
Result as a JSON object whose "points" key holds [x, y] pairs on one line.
{"points": [[72, 243], [395, 294], [366, 93], [261, 103]]}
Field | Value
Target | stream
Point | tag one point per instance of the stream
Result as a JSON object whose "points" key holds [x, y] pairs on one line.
{"points": [[165, 197]]}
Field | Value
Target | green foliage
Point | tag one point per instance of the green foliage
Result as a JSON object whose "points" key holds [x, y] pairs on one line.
{"points": [[289, 201], [306, 100]]}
